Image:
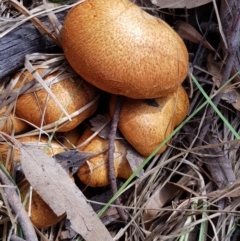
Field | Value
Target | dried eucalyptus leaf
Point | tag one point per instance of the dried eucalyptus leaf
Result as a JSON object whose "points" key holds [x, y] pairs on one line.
{"points": [[73, 159], [188, 32], [53, 184], [232, 96], [98, 122], [134, 159], [214, 68], [101, 121], [158, 199], [180, 3]]}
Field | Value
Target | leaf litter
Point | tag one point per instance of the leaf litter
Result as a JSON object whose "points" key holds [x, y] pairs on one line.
{"points": [[53, 184], [190, 170]]}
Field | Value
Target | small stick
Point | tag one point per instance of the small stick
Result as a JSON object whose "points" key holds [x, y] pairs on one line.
{"points": [[18, 209], [111, 148]]}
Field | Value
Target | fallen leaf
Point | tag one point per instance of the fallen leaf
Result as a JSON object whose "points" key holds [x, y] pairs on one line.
{"points": [[158, 200], [217, 162], [72, 160], [53, 184], [180, 3], [231, 95], [102, 123], [134, 159], [214, 69], [188, 32]]}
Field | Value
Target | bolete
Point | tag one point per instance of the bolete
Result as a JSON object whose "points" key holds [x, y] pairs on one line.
{"points": [[73, 94], [42, 216], [119, 48], [94, 171], [10, 122], [146, 123]]}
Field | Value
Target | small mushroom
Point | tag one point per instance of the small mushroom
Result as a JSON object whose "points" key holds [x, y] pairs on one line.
{"points": [[119, 48], [72, 94], [94, 171], [10, 122], [42, 216], [145, 125]]}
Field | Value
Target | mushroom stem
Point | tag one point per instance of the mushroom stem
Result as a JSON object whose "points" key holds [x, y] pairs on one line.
{"points": [[111, 148]]}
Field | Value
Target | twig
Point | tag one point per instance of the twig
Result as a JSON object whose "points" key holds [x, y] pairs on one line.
{"points": [[111, 148], [18, 209]]}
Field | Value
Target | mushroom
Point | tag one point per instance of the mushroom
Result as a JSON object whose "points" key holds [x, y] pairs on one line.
{"points": [[10, 122], [70, 138], [121, 49], [53, 149], [94, 171], [145, 125], [42, 216], [72, 94]]}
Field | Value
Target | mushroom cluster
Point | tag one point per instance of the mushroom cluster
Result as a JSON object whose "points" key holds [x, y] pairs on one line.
{"points": [[118, 48], [121, 49]]}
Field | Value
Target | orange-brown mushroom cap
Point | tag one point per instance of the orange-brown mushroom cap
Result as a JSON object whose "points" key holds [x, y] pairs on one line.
{"points": [[11, 122], [72, 94], [145, 126], [95, 171], [121, 49]]}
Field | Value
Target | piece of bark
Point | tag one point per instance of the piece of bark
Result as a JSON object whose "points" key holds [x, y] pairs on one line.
{"points": [[25, 39]]}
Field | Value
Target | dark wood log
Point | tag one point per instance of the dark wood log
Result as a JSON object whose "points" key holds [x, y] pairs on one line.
{"points": [[26, 39]]}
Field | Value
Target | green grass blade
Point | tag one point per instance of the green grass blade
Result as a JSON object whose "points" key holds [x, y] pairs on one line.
{"points": [[215, 108]]}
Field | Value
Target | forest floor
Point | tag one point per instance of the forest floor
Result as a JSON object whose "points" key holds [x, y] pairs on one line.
{"points": [[189, 192]]}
